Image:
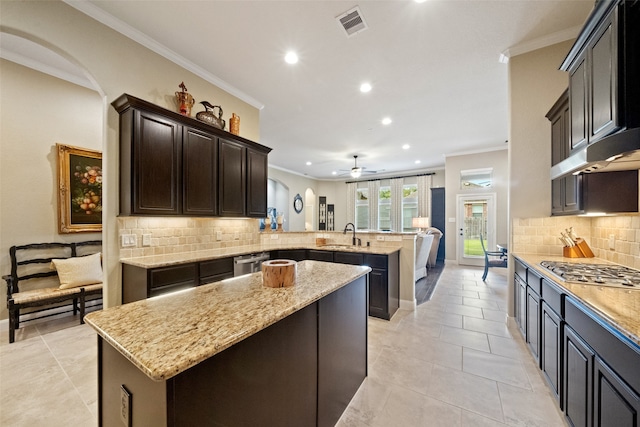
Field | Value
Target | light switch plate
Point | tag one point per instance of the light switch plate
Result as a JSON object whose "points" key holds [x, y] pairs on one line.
{"points": [[146, 240], [129, 240], [218, 235], [612, 241]]}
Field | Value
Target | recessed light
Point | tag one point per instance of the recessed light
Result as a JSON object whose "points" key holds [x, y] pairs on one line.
{"points": [[291, 57], [365, 87], [334, 173], [386, 121], [308, 163], [419, 1], [406, 146], [417, 162]]}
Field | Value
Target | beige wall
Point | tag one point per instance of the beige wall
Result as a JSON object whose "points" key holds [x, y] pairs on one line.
{"points": [[497, 160], [535, 83], [38, 111], [296, 184], [117, 65]]}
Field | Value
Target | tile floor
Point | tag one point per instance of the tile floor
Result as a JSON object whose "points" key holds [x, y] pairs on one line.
{"points": [[452, 362]]}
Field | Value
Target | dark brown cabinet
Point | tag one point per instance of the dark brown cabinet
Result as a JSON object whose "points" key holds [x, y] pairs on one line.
{"points": [[578, 116], [565, 191], [520, 293], [533, 323], [578, 379], [603, 66], [257, 171], [139, 283], [175, 165], [215, 270], [551, 328], [384, 285], [243, 180], [590, 366], [320, 255], [233, 180], [384, 278], [615, 403], [150, 164], [200, 173]]}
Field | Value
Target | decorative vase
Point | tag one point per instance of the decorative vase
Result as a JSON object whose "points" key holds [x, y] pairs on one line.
{"points": [[267, 224], [234, 124], [185, 101]]}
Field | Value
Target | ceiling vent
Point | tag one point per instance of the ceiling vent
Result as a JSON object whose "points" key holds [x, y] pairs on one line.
{"points": [[352, 21]]}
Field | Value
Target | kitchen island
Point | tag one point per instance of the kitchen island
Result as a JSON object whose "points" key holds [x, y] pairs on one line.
{"points": [[237, 353]]}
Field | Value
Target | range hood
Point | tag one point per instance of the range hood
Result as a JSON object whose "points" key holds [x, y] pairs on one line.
{"points": [[616, 152]]}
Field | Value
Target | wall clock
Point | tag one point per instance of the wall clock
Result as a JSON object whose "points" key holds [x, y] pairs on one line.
{"points": [[297, 203]]}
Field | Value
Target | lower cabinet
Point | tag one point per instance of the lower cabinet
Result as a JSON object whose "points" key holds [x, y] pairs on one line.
{"points": [[578, 379], [320, 255], [384, 278], [533, 323], [591, 368], [521, 303], [550, 344], [384, 285], [139, 283], [292, 254], [615, 403]]}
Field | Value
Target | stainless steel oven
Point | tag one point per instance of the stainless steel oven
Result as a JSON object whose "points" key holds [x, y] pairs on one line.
{"points": [[251, 263]]}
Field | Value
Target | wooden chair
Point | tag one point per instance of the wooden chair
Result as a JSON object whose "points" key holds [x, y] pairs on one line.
{"points": [[492, 259]]}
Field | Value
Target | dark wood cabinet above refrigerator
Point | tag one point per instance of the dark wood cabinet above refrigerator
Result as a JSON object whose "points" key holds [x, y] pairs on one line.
{"points": [[175, 165]]}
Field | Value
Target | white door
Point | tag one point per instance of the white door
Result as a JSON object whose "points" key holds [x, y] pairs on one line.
{"points": [[476, 216]]}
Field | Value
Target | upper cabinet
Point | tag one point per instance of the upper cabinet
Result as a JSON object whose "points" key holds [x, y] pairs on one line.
{"points": [[175, 165], [603, 65], [565, 191]]}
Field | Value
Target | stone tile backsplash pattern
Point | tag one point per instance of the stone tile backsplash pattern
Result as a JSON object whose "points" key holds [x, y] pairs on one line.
{"points": [[178, 235], [540, 236]]}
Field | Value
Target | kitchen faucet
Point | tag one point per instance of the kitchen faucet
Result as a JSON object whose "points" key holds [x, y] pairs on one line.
{"points": [[353, 239]]}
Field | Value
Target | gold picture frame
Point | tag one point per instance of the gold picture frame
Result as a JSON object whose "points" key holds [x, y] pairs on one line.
{"points": [[79, 190]]}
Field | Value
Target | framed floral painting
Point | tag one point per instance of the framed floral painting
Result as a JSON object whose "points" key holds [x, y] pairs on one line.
{"points": [[80, 189]]}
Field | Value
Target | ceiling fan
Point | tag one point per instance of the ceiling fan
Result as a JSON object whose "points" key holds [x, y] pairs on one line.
{"points": [[357, 171]]}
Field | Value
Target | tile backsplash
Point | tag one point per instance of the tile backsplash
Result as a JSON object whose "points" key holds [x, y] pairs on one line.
{"points": [[540, 236], [176, 235]]}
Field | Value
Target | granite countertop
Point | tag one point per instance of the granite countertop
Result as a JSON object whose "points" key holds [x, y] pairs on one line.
{"points": [[168, 334], [165, 260], [619, 307]]}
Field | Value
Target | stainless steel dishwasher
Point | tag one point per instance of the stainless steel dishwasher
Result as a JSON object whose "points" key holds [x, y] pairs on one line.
{"points": [[251, 263]]}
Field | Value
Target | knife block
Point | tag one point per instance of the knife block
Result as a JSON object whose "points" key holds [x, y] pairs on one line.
{"points": [[580, 250]]}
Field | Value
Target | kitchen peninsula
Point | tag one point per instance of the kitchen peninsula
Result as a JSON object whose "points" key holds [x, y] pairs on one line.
{"points": [[236, 352]]}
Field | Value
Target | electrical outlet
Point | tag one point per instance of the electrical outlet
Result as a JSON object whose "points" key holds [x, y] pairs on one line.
{"points": [[274, 237], [146, 240], [129, 240], [236, 235], [125, 406], [612, 241], [218, 235]]}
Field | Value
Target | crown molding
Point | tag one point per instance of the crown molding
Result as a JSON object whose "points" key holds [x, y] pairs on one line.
{"points": [[539, 43], [115, 24]]}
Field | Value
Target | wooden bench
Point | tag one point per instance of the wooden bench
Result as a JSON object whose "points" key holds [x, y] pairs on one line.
{"points": [[34, 283]]}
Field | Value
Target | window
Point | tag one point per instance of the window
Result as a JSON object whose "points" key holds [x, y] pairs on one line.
{"points": [[409, 205], [384, 209], [362, 208], [476, 178]]}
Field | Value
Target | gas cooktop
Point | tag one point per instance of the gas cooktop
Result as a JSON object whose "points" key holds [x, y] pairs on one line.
{"points": [[594, 274]]}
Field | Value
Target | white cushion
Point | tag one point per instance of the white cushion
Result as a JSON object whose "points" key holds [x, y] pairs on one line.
{"points": [[79, 271]]}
